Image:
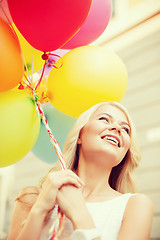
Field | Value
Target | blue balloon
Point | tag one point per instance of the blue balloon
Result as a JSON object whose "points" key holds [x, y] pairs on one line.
{"points": [[60, 125]]}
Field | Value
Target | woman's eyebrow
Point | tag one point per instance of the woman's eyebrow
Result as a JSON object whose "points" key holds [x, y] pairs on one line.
{"points": [[112, 118], [105, 114]]}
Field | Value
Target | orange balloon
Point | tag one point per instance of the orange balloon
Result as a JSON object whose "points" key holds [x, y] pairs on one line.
{"points": [[11, 64]]}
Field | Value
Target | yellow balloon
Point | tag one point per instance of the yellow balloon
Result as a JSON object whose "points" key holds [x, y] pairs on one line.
{"points": [[19, 126], [28, 52], [89, 75]]}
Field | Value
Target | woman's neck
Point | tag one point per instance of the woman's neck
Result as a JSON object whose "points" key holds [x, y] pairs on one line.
{"points": [[95, 178]]}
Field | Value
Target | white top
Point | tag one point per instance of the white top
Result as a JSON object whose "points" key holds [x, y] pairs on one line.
{"points": [[106, 215]]}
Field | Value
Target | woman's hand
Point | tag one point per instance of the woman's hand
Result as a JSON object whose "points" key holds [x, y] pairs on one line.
{"points": [[55, 180], [72, 204]]}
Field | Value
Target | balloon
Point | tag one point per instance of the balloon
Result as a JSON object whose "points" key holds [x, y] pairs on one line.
{"points": [[94, 25], [60, 125], [4, 12], [89, 75], [47, 25], [19, 126], [11, 64], [29, 53]]}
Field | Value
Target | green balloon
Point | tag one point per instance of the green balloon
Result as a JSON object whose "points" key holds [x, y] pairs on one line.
{"points": [[60, 125], [19, 126]]}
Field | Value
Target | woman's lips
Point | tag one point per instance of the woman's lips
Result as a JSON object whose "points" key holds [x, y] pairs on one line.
{"points": [[112, 139]]}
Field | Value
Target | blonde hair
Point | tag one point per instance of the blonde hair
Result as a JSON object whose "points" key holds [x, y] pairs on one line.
{"points": [[121, 175]]}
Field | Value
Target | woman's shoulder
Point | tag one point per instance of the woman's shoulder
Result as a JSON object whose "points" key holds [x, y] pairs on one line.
{"points": [[28, 195], [139, 204], [138, 215], [140, 199]]}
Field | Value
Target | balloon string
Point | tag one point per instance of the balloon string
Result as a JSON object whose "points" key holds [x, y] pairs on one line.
{"points": [[52, 138], [27, 79], [44, 66], [57, 226]]}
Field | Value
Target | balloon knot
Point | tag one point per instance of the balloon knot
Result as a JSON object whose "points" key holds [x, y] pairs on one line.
{"points": [[21, 86], [45, 56], [50, 62]]}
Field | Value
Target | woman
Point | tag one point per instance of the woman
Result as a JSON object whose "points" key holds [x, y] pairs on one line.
{"points": [[96, 194]]}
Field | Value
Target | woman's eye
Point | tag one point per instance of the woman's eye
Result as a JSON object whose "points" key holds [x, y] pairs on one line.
{"points": [[104, 118], [127, 130]]}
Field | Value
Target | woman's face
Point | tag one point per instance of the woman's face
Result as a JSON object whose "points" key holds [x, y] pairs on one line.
{"points": [[106, 136]]}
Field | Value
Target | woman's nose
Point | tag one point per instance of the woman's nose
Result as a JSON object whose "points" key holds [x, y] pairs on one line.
{"points": [[115, 128]]}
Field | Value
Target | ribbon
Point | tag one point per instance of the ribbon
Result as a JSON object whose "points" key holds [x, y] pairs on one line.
{"points": [[58, 224]]}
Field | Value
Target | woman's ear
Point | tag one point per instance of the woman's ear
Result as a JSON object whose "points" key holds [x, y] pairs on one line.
{"points": [[79, 137], [79, 141]]}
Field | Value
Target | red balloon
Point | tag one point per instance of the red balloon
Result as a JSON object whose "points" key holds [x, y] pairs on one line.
{"points": [[94, 25], [47, 25]]}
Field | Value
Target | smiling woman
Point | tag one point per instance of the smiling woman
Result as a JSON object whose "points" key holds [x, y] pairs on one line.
{"points": [[105, 135], [96, 193], [119, 120]]}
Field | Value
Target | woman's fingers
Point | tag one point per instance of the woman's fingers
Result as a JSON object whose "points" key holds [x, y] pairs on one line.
{"points": [[70, 180], [54, 182], [63, 177], [76, 177]]}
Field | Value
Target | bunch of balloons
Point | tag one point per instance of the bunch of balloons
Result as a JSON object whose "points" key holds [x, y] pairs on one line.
{"points": [[34, 34]]}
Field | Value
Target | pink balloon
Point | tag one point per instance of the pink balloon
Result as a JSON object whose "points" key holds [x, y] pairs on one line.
{"points": [[48, 24], [94, 25], [5, 12]]}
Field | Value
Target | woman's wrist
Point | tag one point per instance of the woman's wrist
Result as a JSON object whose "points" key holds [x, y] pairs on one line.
{"points": [[39, 210], [82, 220], [43, 207]]}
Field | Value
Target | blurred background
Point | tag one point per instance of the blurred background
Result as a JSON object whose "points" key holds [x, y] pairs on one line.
{"points": [[134, 34]]}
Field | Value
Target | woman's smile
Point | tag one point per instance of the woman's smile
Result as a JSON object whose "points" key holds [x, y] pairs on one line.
{"points": [[112, 139]]}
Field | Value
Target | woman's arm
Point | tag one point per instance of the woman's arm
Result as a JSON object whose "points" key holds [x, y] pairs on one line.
{"points": [[72, 204], [137, 221], [21, 211], [27, 222]]}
